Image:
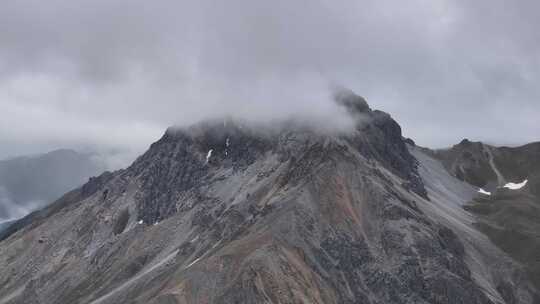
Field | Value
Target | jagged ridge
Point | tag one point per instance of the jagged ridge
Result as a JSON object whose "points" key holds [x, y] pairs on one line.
{"points": [[283, 214]]}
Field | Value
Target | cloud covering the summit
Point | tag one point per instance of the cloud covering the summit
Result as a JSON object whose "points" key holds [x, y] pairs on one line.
{"points": [[115, 73]]}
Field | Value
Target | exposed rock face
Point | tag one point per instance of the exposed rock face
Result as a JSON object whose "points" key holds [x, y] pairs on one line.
{"points": [[381, 138], [222, 212]]}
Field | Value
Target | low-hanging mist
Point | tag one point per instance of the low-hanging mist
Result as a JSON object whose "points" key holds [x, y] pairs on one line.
{"points": [[115, 74]]}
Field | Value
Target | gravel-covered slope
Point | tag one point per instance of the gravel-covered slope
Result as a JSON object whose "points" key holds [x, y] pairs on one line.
{"points": [[224, 212], [496, 271], [509, 217]]}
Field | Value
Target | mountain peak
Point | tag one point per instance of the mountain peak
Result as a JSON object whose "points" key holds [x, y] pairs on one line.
{"points": [[274, 212], [223, 144], [355, 104]]}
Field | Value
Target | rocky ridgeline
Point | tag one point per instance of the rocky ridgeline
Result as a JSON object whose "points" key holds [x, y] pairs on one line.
{"points": [[178, 161], [231, 212]]}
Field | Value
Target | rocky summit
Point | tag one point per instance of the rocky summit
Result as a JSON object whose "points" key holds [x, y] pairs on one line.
{"points": [[234, 212]]}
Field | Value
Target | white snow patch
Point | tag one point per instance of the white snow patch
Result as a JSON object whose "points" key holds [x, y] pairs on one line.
{"points": [[513, 186], [209, 155], [482, 191]]}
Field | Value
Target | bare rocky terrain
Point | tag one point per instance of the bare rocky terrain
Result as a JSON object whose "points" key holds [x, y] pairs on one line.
{"points": [[232, 212], [510, 217]]}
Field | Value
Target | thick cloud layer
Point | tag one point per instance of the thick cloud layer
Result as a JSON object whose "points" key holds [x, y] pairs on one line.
{"points": [[115, 73]]}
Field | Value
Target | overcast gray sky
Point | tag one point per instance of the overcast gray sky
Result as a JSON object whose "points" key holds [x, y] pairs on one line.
{"points": [[115, 73]]}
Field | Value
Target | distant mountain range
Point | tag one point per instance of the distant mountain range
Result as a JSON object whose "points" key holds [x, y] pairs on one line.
{"points": [[30, 182]]}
